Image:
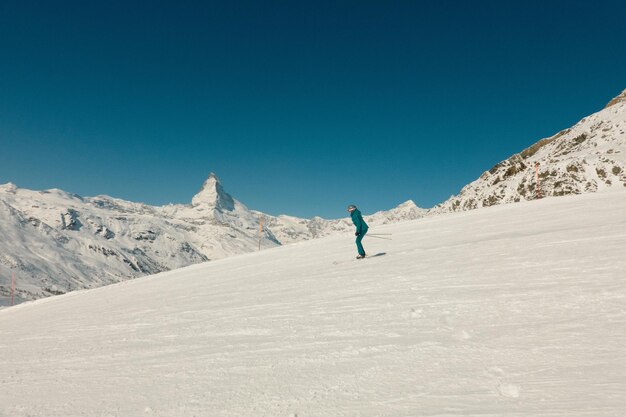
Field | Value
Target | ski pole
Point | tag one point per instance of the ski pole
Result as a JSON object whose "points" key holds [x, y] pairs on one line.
{"points": [[379, 237]]}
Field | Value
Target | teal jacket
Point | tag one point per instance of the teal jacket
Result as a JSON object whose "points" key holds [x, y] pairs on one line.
{"points": [[357, 219]]}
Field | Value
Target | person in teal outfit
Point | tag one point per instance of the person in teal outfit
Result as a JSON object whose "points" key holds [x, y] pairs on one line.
{"points": [[361, 229]]}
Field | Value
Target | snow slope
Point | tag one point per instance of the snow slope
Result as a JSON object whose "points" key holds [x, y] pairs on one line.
{"points": [[513, 310]]}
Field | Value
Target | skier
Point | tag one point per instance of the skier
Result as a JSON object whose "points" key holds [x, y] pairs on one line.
{"points": [[361, 228]]}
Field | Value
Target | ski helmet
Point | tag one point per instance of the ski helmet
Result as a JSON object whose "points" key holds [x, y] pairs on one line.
{"points": [[351, 207]]}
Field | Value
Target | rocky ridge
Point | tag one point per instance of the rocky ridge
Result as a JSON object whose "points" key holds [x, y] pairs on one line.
{"points": [[588, 157]]}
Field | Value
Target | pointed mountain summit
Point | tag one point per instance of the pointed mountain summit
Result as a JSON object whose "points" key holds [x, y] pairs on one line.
{"points": [[212, 194], [405, 211]]}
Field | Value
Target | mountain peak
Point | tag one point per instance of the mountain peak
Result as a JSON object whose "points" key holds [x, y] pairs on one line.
{"points": [[9, 187], [619, 99], [409, 210], [212, 194], [409, 204]]}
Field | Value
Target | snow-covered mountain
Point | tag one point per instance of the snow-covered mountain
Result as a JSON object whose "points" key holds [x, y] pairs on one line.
{"points": [[517, 310], [58, 242], [588, 157]]}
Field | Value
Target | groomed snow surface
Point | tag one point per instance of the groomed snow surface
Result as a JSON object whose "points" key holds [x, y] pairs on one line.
{"points": [[515, 310]]}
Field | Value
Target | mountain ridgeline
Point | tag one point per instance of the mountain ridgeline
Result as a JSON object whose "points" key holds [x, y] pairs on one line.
{"points": [[588, 157], [56, 242]]}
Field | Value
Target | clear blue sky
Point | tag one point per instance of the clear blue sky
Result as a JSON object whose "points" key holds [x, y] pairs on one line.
{"points": [[298, 107]]}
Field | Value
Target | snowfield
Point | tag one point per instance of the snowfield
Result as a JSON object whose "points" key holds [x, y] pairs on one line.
{"points": [[512, 310]]}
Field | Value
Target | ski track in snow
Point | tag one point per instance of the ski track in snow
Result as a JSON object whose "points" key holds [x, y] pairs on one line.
{"points": [[516, 310]]}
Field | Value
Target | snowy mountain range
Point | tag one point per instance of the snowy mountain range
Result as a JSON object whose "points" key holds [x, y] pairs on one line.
{"points": [[517, 310], [588, 157], [58, 242]]}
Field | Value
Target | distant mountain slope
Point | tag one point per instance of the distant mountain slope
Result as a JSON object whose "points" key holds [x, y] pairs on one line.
{"points": [[588, 157], [289, 229], [59, 242]]}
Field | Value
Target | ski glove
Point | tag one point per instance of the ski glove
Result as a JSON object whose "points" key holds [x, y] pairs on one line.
{"points": [[357, 234]]}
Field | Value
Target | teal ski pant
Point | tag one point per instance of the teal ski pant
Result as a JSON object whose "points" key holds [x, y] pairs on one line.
{"points": [[359, 246]]}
